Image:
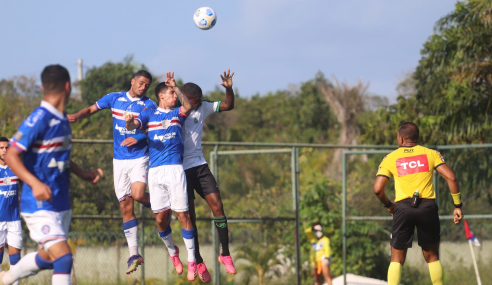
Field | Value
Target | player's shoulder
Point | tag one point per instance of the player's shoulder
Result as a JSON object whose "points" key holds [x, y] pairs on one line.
{"points": [[38, 116], [427, 150], [149, 102]]}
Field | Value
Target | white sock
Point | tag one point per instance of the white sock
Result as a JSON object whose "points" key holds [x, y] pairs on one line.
{"points": [[169, 242], [12, 268], [190, 246], [61, 279], [131, 234], [25, 267]]}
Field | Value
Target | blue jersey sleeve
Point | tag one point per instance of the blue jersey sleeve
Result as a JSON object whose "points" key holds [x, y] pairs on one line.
{"points": [[105, 102], [144, 117], [182, 117], [140, 137], [29, 131]]}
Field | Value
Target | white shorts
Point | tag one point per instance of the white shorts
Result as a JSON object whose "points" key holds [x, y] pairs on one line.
{"points": [[167, 185], [47, 227], [11, 233], [126, 172]]}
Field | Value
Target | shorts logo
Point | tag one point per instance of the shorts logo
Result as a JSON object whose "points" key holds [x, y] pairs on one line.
{"points": [[45, 229], [412, 165]]}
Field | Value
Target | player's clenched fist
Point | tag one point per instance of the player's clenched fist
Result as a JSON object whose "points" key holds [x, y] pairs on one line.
{"points": [[92, 175], [128, 118], [72, 118], [41, 192]]}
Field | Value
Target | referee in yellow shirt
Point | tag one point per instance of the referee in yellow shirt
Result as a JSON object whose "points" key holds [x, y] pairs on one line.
{"points": [[412, 166]]}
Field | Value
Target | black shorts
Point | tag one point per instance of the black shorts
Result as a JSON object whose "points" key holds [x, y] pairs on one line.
{"points": [[405, 218], [200, 179]]}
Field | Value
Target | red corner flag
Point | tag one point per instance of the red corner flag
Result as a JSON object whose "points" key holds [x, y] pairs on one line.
{"points": [[470, 236]]}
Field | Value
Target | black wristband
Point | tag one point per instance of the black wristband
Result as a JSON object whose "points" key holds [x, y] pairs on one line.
{"points": [[458, 206], [388, 205]]}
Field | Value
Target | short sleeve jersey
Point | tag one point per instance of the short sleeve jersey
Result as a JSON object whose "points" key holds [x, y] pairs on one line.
{"points": [[193, 130], [45, 139], [9, 191], [164, 133], [413, 169], [119, 103]]}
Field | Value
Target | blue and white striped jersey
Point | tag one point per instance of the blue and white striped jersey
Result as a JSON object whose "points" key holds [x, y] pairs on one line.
{"points": [[9, 191]]}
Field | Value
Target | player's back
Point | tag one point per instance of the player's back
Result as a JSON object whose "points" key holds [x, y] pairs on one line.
{"points": [[165, 137], [9, 199], [119, 103], [45, 139], [413, 169]]}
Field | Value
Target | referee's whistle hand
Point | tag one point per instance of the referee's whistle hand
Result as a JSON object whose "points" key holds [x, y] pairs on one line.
{"points": [[458, 215], [391, 209]]}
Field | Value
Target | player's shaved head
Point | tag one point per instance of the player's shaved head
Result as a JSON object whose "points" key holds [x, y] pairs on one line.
{"points": [[143, 73], [54, 78], [191, 90], [409, 132]]}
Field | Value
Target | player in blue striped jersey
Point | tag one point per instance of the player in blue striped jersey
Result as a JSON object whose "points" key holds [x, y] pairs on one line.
{"points": [[44, 141], [131, 154], [10, 224], [167, 180]]}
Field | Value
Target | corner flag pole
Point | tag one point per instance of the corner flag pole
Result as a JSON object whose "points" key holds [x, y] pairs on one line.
{"points": [[479, 282], [472, 240]]}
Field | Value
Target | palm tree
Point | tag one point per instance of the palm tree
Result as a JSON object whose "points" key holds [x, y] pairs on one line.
{"points": [[257, 265]]}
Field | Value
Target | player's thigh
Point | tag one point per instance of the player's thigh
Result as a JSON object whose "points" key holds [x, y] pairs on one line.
{"points": [[122, 182], [46, 227], [3, 233], [191, 182], [206, 182], [326, 271], [176, 181], [159, 192], [14, 235], [428, 224], [402, 226], [139, 170]]}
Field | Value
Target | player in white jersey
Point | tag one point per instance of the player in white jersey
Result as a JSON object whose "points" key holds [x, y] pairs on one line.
{"points": [[10, 224], [167, 180], [131, 154], [198, 174], [40, 156]]}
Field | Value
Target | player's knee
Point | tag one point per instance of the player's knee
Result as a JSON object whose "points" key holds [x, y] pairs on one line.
{"points": [[63, 264], [217, 208], [161, 220]]}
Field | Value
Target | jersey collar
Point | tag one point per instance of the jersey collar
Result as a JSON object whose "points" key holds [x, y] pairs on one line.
{"points": [[164, 110], [3, 166], [52, 109], [131, 98]]}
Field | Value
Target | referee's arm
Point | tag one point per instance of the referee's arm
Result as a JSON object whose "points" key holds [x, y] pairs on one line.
{"points": [[379, 186], [450, 177]]}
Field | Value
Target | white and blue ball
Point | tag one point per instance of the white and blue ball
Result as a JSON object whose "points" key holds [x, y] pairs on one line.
{"points": [[205, 18]]}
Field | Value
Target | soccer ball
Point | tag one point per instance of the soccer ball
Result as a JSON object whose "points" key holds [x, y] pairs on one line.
{"points": [[205, 18]]}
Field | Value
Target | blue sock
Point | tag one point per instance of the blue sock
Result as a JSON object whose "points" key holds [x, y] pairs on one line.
{"points": [[167, 237], [63, 264], [43, 263], [14, 258]]}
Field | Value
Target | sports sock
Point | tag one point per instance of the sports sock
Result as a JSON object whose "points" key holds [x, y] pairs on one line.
{"points": [[1, 257], [394, 273], [198, 257], [167, 238], [14, 259], [28, 265], [435, 270], [131, 234], [223, 231], [62, 269], [188, 237]]}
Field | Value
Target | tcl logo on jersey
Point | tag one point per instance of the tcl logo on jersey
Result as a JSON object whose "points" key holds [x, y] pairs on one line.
{"points": [[412, 165]]}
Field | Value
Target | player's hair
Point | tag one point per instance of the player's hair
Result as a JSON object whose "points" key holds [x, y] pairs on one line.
{"points": [[161, 87], [409, 132], [143, 73], [4, 139], [191, 89], [54, 78], [316, 224]]}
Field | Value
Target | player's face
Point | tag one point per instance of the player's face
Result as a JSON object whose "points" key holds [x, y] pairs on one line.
{"points": [[140, 85], [3, 150], [195, 101], [168, 98]]}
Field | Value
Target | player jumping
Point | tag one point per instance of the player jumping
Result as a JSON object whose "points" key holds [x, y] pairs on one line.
{"points": [[167, 180], [198, 173], [131, 154], [10, 224], [44, 140]]}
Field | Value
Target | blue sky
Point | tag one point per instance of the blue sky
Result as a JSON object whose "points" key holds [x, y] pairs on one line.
{"points": [[270, 44]]}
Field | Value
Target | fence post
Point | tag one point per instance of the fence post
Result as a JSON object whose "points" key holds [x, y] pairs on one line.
{"points": [[344, 214], [215, 172], [142, 239], [295, 196]]}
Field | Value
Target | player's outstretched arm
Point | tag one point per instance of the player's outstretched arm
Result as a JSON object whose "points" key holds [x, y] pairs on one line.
{"points": [[228, 103], [185, 103], [92, 175], [40, 191], [452, 181], [379, 185], [82, 114]]}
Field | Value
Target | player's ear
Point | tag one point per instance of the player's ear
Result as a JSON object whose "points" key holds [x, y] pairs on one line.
{"points": [[133, 81], [42, 88], [68, 87]]}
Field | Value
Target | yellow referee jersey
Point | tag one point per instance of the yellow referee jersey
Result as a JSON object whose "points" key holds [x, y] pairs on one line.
{"points": [[413, 168], [319, 248]]}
